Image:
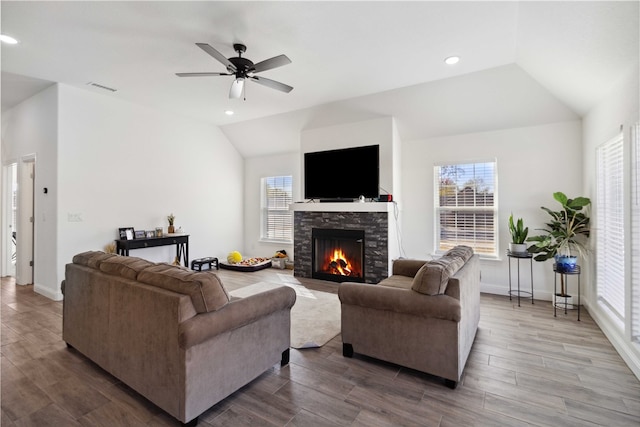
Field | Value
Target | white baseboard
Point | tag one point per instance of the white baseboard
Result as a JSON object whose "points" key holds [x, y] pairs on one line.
{"points": [[629, 351], [488, 288], [47, 292]]}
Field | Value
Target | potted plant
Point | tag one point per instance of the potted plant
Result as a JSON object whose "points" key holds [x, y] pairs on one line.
{"points": [[171, 228], [565, 235], [518, 235]]}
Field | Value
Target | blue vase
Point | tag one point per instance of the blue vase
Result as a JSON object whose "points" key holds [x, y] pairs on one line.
{"points": [[566, 263]]}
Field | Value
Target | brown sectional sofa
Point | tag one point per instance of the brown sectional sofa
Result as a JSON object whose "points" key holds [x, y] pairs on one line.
{"points": [[425, 316], [172, 334]]}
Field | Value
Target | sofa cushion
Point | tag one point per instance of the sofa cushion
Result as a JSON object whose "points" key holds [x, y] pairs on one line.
{"points": [[397, 281], [91, 258], [406, 267], [433, 276], [205, 289], [124, 266], [464, 252], [98, 259]]}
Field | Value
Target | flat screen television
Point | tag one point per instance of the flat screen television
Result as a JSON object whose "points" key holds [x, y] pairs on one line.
{"points": [[342, 174]]}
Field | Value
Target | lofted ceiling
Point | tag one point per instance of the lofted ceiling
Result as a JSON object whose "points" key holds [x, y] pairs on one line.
{"points": [[375, 58]]}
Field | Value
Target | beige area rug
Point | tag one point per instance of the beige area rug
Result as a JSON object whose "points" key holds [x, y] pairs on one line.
{"points": [[315, 317]]}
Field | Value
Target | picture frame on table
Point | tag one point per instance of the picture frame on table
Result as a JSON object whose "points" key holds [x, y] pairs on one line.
{"points": [[126, 233], [140, 234], [150, 234]]}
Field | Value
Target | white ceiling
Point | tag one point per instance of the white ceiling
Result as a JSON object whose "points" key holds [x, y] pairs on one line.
{"points": [[381, 58]]}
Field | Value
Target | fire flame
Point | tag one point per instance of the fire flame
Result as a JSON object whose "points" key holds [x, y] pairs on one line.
{"points": [[339, 264]]}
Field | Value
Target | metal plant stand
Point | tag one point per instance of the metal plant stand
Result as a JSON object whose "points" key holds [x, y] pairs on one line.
{"points": [[564, 273], [518, 256]]}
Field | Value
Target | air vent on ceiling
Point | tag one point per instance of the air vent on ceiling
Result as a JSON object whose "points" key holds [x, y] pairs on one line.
{"points": [[99, 86]]}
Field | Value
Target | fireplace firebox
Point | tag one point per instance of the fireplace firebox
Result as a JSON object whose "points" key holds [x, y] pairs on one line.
{"points": [[337, 255]]}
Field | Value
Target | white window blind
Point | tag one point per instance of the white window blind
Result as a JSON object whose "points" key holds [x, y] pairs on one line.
{"points": [[635, 233], [610, 225], [466, 206], [277, 219]]}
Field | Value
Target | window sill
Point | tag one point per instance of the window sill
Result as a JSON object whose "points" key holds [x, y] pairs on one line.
{"points": [[497, 258], [282, 242]]}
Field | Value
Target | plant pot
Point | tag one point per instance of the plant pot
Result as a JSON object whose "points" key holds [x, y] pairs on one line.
{"points": [[171, 229], [518, 248], [565, 263]]}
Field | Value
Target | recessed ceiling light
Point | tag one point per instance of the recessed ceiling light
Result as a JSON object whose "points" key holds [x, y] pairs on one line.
{"points": [[229, 113], [452, 60], [8, 39]]}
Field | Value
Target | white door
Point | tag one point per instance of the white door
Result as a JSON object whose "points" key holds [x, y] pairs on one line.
{"points": [[25, 222], [9, 191]]}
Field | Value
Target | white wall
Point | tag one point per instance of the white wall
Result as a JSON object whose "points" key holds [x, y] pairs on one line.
{"points": [[396, 171], [369, 132], [533, 163], [30, 129], [380, 131], [122, 165], [621, 107], [255, 169], [113, 164]]}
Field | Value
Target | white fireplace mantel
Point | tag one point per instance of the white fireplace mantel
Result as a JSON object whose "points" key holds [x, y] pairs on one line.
{"points": [[342, 207]]}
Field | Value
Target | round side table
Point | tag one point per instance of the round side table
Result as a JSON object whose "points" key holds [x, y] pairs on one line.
{"points": [[519, 256], [563, 276]]}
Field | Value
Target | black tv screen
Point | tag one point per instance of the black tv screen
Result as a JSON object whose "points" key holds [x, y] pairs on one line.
{"points": [[342, 174]]}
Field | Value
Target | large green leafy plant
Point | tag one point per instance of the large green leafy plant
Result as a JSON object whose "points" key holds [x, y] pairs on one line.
{"points": [[567, 231]]}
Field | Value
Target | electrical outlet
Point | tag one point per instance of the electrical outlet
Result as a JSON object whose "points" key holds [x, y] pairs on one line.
{"points": [[74, 217]]}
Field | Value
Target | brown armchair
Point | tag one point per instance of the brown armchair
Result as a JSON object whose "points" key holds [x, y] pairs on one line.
{"points": [[431, 332]]}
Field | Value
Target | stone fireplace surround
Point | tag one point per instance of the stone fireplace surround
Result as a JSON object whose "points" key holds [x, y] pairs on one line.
{"points": [[373, 218]]}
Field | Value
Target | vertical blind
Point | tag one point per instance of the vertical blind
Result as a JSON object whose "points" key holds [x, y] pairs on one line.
{"points": [[635, 232], [610, 225], [465, 205], [277, 219]]}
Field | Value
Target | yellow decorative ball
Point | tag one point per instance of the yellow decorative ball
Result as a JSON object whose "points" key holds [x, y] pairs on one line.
{"points": [[234, 257]]}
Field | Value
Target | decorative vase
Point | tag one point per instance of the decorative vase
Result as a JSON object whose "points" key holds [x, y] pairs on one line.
{"points": [[518, 248], [171, 229], [565, 263]]}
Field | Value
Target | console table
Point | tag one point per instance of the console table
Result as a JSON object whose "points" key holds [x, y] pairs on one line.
{"points": [[182, 245]]}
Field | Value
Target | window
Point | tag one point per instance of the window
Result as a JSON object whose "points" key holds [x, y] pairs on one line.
{"points": [[635, 233], [277, 219], [466, 207], [610, 237]]}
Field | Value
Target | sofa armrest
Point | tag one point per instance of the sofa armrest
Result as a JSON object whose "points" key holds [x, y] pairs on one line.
{"points": [[234, 315], [406, 301], [407, 267]]}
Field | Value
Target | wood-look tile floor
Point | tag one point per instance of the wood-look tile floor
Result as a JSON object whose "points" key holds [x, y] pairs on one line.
{"points": [[526, 368]]}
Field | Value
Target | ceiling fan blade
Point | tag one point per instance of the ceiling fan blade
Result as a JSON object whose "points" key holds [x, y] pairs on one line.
{"points": [[202, 74], [217, 55], [272, 84], [267, 64]]}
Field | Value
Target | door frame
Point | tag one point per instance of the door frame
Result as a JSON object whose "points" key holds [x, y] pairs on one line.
{"points": [[26, 209], [6, 267]]}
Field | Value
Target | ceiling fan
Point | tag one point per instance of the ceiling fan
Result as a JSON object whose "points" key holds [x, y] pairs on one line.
{"points": [[243, 69]]}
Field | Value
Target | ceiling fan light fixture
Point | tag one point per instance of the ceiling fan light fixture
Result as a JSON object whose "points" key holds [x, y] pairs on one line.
{"points": [[452, 60], [8, 39], [229, 112], [236, 88]]}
